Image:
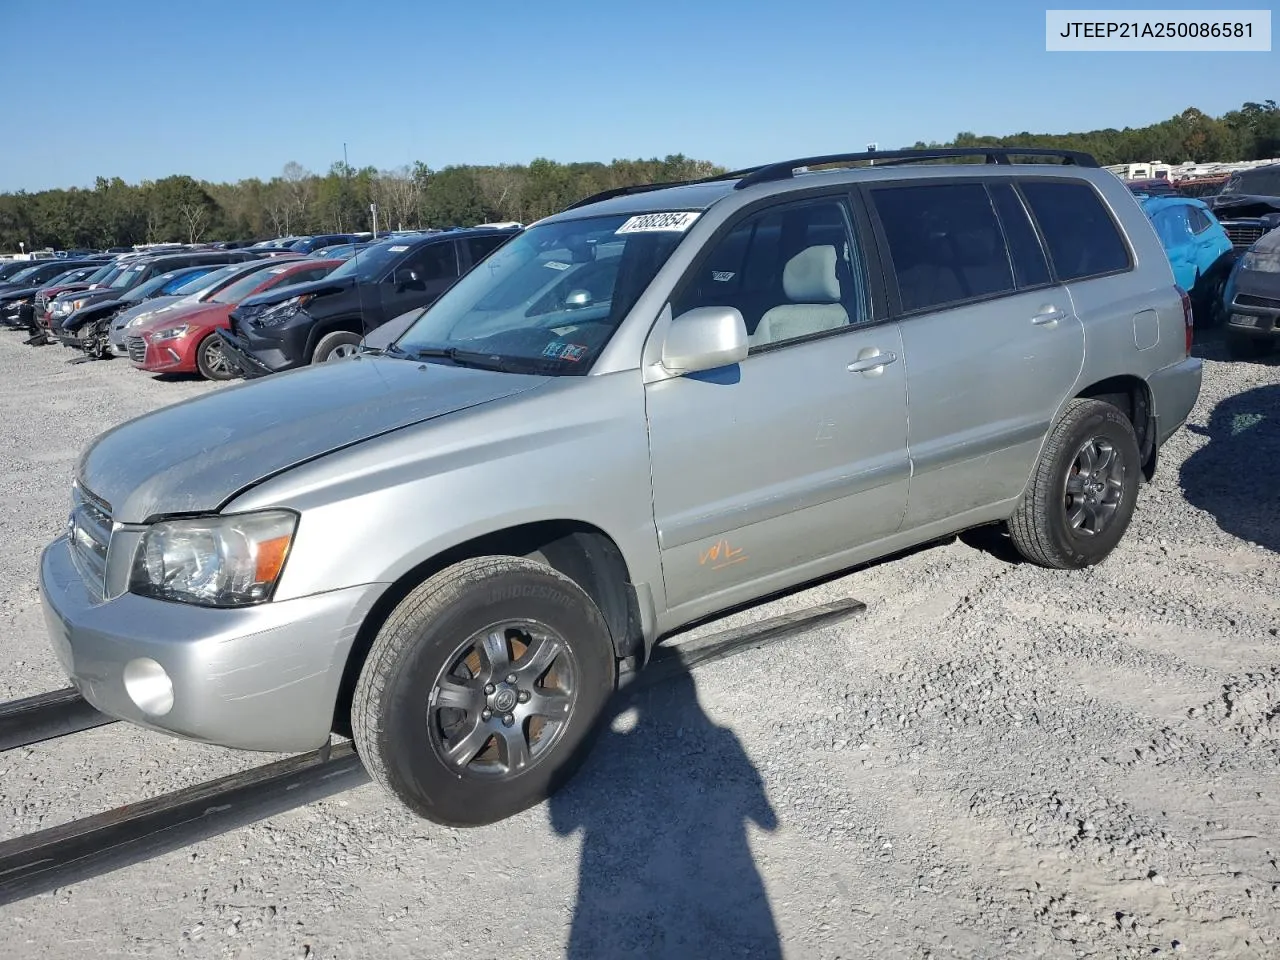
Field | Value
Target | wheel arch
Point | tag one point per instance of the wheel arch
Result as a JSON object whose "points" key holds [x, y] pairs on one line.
{"points": [[579, 550], [1132, 396], [350, 323]]}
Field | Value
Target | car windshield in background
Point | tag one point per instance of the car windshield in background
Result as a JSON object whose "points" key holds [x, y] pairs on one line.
{"points": [[127, 276], [237, 290], [549, 299], [101, 273], [371, 262], [23, 274], [207, 281]]}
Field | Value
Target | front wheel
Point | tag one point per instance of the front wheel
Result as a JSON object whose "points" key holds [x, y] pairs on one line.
{"points": [[1083, 491], [336, 346], [212, 360], [482, 691]]}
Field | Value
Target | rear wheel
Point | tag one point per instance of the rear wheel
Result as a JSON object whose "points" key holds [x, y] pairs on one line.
{"points": [[482, 691], [212, 360], [1083, 491], [1241, 346], [336, 346]]}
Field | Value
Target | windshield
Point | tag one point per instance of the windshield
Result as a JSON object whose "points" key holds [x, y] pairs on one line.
{"points": [[549, 299], [99, 274], [23, 274], [237, 290], [143, 290], [371, 261], [127, 277]]}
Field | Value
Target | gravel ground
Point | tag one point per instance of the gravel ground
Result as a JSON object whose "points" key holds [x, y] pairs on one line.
{"points": [[994, 761]]}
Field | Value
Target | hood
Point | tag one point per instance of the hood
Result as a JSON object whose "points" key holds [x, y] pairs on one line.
{"points": [[17, 293], [182, 313], [146, 307], [194, 456], [281, 294], [1268, 243], [1226, 206]]}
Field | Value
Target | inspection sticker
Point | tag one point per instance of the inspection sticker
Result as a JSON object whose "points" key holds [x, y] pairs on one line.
{"points": [[650, 222], [556, 265], [399, 248]]}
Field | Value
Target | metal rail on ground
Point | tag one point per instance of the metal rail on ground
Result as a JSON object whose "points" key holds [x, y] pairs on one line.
{"points": [[47, 859], [46, 716]]}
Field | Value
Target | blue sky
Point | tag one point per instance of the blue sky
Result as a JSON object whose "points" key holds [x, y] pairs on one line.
{"points": [[147, 88]]}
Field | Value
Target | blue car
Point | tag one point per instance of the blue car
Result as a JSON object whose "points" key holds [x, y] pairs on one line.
{"points": [[1199, 250]]}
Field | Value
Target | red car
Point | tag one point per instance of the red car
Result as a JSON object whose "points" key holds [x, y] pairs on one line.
{"points": [[182, 340]]}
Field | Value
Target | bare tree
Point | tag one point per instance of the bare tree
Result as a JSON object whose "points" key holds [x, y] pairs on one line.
{"points": [[279, 209], [196, 217], [300, 184], [502, 190], [398, 194]]}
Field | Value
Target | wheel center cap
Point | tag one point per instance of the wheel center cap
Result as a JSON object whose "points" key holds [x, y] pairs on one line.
{"points": [[504, 698]]}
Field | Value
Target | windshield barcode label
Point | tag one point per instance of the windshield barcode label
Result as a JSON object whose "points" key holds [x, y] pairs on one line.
{"points": [[649, 222]]}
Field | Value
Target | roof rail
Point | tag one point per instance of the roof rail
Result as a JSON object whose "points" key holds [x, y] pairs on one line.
{"points": [[999, 155], [646, 187]]}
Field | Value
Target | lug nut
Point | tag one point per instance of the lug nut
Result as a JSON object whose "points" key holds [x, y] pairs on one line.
{"points": [[489, 688], [511, 678], [486, 713], [508, 720], [524, 696]]}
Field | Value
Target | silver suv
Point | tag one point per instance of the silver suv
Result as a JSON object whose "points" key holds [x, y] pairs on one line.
{"points": [[660, 403]]}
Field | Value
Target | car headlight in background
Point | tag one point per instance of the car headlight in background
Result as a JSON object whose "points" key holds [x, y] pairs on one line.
{"points": [[170, 333], [283, 311], [231, 561], [1262, 262]]}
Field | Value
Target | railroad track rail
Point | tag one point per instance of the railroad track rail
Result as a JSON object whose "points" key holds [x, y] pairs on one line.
{"points": [[47, 859], [46, 716]]}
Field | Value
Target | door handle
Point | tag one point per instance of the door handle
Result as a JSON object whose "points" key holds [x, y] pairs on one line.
{"points": [[872, 362], [1048, 316]]}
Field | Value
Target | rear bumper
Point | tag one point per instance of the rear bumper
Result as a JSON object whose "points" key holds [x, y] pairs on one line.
{"points": [[1174, 392]]}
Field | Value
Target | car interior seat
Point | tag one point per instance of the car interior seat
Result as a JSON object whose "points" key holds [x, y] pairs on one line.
{"points": [[810, 283]]}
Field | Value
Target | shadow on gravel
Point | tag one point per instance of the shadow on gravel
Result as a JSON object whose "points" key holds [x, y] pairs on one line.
{"points": [[1233, 475], [663, 803]]}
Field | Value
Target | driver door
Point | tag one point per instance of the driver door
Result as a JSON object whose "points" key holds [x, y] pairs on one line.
{"points": [[775, 470], [418, 280]]}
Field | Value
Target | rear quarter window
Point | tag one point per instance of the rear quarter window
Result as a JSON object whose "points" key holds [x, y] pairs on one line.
{"points": [[1082, 236]]}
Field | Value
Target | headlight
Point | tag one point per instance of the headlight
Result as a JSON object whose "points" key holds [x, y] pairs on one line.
{"points": [[76, 305], [231, 561], [170, 333], [1262, 262], [283, 311]]}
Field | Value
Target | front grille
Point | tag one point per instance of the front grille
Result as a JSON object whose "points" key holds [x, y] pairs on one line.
{"points": [[1243, 234], [1249, 300], [90, 531], [137, 349]]}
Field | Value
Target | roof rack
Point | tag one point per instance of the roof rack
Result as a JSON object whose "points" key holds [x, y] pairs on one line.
{"points": [[999, 155]]}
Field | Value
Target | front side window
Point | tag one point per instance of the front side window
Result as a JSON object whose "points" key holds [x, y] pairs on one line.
{"points": [[481, 247], [945, 242], [1082, 237], [792, 271], [435, 261], [550, 298], [1200, 221]]}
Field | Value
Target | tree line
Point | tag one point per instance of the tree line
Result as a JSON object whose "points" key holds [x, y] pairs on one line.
{"points": [[299, 201]]}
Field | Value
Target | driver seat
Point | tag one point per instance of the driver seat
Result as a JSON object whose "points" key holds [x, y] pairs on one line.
{"points": [[809, 281]]}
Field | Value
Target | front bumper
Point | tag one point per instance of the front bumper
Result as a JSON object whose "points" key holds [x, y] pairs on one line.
{"points": [[254, 678], [258, 351], [175, 355], [1174, 391], [1253, 303], [242, 356]]}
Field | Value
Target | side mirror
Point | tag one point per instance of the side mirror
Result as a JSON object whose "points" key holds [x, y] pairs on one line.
{"points": [[705, 338]]}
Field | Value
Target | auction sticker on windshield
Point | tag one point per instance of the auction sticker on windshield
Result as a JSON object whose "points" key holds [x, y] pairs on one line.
{"points": [[650, 222]]}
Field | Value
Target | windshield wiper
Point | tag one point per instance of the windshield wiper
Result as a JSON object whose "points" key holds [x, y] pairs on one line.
{"points": [[470, 358]]}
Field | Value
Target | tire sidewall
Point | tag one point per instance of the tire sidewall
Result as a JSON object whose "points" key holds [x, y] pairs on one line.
{"points": [[1108, 422], [329, 342], [202, 365], [412, 764]]}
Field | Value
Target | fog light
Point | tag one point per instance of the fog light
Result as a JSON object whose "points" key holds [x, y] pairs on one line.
{"points": [[148, 686]]}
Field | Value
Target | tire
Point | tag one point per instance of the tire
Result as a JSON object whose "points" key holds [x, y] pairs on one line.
{"points": [[212, 360], [333, 346], [1245, 347], [433, 641], [1042, 527]]}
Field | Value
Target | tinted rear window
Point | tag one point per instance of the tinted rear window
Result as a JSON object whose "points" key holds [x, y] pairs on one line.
{"points": [[945, 242], [1029, 265], [1082, 238]]}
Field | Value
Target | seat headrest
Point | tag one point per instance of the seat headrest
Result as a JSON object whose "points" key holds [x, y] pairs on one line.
{"points": [[810, 276]]}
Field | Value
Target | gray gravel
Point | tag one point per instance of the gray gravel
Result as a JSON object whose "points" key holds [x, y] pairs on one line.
{"points": [[995, 761]]}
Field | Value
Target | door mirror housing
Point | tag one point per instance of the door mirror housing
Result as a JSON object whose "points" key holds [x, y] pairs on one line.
{"points": [[705, 338]]}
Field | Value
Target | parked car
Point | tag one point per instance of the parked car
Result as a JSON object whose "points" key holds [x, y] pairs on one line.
{"points": [[312, 244], [182, 340], [1155, 187], [18, 303], [196, 291], [1253, 300], [88, 329], [453, 549], [343, 251], [1198, 248], [139, 271], [326, 320], [1248, 205]]}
